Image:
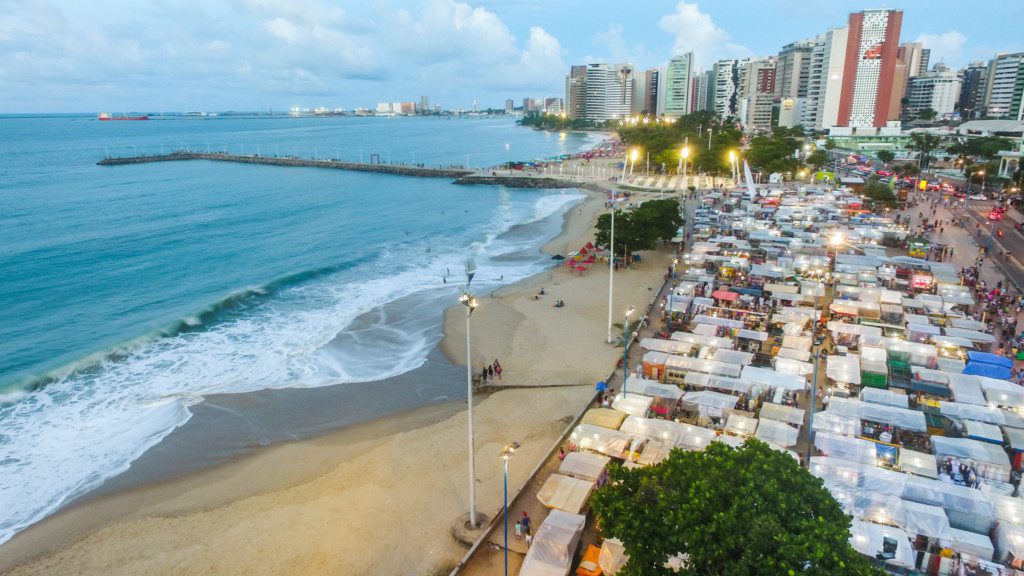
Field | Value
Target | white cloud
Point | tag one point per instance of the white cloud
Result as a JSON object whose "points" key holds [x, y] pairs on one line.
{"points": [[694, 30], [947, 47]]}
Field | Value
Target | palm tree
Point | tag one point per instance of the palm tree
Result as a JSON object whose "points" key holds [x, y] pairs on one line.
{"points": [[923, 143]]}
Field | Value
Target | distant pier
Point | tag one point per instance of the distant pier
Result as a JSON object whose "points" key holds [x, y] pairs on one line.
{"points": [[397, 169], [516, 179]]}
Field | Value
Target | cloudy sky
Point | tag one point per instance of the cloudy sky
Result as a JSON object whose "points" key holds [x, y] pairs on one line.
{"points": [[177, 55]]}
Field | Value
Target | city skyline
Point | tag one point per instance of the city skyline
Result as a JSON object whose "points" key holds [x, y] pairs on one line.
{"points": [[260, 54]]}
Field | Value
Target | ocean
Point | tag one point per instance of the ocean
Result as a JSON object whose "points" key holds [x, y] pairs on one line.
{"points": [[131, 293]]}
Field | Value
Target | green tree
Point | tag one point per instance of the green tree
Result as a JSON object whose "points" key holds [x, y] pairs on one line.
{"points": [[743, 511], [927, 114], [886, 156], [773, 154], [641, 227], [830, 144], [878, 192], [923, 143], [817, 159]]}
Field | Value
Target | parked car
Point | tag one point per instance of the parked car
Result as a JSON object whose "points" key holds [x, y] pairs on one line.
{"points": [[977, 197]]}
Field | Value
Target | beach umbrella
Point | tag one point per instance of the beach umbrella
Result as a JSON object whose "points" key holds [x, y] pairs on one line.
{"points": [[558, 257]]}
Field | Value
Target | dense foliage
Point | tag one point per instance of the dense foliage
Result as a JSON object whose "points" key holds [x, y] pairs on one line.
{"points": [[641, 227], [923, 143], [774, 153], [878, 191], [664, 141], [987, 147], [559, 122], [817, 159], [886, 156], [744, 511]]}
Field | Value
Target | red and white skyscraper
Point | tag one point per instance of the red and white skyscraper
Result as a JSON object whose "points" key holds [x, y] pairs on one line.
{"points": [[868, 79]]}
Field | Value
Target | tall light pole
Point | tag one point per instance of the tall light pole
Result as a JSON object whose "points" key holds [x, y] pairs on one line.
{"points": [[508, 158], [625, 347], [684, 156], [732, 165], [611, 257], [709, 138], [507, 452], [814, 394], [470, 303]]}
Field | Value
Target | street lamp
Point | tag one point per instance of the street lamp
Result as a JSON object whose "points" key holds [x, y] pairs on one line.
{"points": [[684, 156], [732, 166], [470, 302], [508, 159], [814, 395], [507, 452], [632, 160], [625, 347]]}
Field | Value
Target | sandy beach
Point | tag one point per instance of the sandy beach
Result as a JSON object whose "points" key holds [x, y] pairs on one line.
{"points": [[379, 497]]}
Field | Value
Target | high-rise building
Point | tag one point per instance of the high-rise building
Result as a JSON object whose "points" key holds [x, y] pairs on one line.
{"points": [[937, 89], [599, 91], [704, 91], [653, 92], [510, 106], [576, 91], [916, 57], [793, 68], [1003, 85], [756, 93], [825, 81], [871, 54], [726, 81], [553, 105], [424, 107], [678, 85], [972, 90]]}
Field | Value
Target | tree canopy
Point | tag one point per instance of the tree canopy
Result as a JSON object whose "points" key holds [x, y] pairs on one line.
{"points": [[886, 156], [817, 159], [641, 227], [665, 140], [559, 122], [878, 192], [927, 114], [744, 511], [923, 143], [987, 147], [774, 153]]}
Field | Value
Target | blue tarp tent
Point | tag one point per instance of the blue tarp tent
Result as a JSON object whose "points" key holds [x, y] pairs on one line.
{"points": [[989, 370], [989, 358]]}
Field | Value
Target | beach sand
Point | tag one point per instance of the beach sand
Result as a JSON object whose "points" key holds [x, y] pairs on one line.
{"points": [[379, 497]]}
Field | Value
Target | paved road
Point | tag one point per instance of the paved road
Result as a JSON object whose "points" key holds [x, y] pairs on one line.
{"points": [[1012, 241]]}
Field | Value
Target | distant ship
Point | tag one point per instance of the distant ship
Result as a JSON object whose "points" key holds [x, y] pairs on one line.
{"points": [[105, 116]]}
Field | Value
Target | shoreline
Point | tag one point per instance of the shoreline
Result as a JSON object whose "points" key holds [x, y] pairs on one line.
{"points": [[371, 476]]}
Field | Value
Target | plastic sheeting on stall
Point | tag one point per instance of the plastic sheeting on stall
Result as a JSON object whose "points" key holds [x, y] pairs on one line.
{"points": [[584, 465], [990, 459], [988, 414], [565, 493], [796, 342], [699, 379], [801, 355], [844, 369], [653, 388], [740, 425], [868, 539], [918, 463], [791, 366], [966, 390], [708, 399], [854, 329], [602, 440], [732, 357], [1001, 392], [704, 319], [781, 413], [630, 404], [899, 417], [687, 363], [887, 397], [752, 335], [686, 436], [779, 432], [554, 545], [972, 335], [613, 557], [984, 432], [713, 341], [773, 379], [970, 544], [847, 448], [666, 346]]}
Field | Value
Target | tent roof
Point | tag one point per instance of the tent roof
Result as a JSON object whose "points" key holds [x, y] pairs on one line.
{"points": [[584, 465], [773, 379], [565, 493], [900, 417], [604, 417], [554, 545], [629, 404], [740, 425], [780, 413]]}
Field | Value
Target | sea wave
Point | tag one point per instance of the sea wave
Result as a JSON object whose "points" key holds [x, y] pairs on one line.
{"points": [[359, 321]]}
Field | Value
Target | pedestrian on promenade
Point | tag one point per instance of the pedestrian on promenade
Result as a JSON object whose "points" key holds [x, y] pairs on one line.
{"points": [[490, 372]]}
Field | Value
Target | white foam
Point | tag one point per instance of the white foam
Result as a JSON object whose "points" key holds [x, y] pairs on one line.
{"points": [[67, 438]]}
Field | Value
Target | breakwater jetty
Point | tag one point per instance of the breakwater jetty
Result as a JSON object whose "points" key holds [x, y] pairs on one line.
{"points": [[396, 169]]}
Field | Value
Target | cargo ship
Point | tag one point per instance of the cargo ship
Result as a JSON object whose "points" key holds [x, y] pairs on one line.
{"points": [[106, 116]]}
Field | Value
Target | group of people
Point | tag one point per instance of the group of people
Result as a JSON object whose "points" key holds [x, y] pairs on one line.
{"points": [[959, 473], [489, 371]]}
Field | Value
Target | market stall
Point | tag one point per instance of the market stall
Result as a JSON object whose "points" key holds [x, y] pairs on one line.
{"points": [[601, 440], [554, 545], [565, 493], [585, 466]]}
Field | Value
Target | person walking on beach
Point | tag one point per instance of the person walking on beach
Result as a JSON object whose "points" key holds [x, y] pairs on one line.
{"points": [[490, 372], [497, 370], [526, 523], [483, 374]]}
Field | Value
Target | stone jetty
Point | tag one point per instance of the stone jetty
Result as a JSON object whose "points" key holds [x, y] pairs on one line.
{"points": [[396, 169]]}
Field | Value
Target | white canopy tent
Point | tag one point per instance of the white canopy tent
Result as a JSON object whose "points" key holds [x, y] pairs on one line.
{"points": [[740, 425], [584, 465], [705, 319], [602, 440], [887, 397], [990, 459], [781, 413], [632, 404], [612, 557], [773, 379], [844, 369], [554, 545], [918, 463], [700, 339], [779, 432], [902, 418], [847, 448], [988, 414], [566, 493], [689, 364], [666, 346], [653, 388], [869, 538], [701, 380], [685, 436], [710, 403]]}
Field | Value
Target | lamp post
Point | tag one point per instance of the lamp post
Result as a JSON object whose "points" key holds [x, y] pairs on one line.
{"points": [[732, 166], [814, 396], [625, 347], [709, 138], [508, 159], [684, 156], [611, 260], [507, 452], [470, 303]]}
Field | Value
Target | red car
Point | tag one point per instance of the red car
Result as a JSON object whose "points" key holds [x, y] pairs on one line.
{"points": [[995, 215]]}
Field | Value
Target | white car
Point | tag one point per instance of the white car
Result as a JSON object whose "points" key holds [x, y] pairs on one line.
{"points": [[977, 197]]}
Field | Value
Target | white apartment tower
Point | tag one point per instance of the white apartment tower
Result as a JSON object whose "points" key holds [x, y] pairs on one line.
{"points": [[679, 85]]}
